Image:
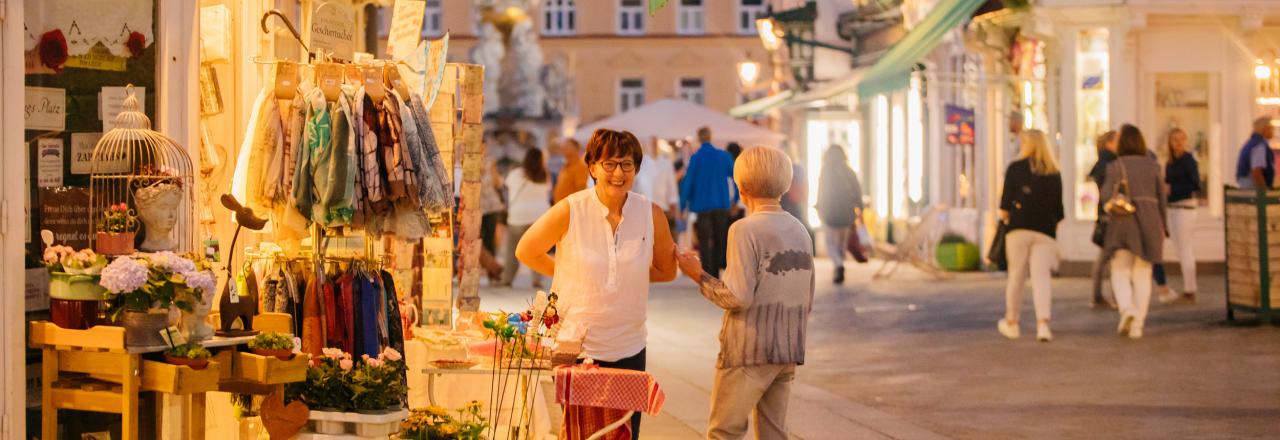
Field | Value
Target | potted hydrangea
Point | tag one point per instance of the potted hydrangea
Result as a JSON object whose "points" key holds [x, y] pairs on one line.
{"points": [[116, 230], [74, 292], [272, 344], [190, 354], [142, 290]]}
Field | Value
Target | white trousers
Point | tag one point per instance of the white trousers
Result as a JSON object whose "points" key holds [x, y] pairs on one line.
{"points": [[836, 238], [1131, 283], [1182, 233], [741, 394], [1030, 253]]}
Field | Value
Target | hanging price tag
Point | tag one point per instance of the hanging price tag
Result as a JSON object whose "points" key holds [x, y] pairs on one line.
{"points": [[240, 286]]}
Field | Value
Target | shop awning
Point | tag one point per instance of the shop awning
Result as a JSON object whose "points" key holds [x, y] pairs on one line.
{"points": [[761, 105], [893, 71]]}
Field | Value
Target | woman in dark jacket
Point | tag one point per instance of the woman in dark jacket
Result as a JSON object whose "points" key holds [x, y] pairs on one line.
{"points": [[839, 204], [1182, 173], [1135, 239], [1107, 143], [1031, 206]]}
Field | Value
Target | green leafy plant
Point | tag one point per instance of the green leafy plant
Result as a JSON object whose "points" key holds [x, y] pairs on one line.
{"points": [[271, 341], [243, 406], [189, 350], [434, 422]]}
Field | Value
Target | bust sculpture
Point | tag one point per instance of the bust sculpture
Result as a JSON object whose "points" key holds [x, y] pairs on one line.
{"points": [[158, 210]]}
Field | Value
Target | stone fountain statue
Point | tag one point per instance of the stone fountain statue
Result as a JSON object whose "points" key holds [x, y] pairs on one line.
{"points": [[489, 53]]}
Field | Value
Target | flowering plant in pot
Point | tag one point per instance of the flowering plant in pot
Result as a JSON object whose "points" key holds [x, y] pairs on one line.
{"points": [[328, 384], [435, 422], [274, 344], [74, 292], [190, 354], [116, 230], [378, 384], [143, 289]]}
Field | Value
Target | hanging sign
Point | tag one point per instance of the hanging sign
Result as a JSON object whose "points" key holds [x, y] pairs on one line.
{"points": [[49, 162], [46, 109], [111, 103], [406, 28], [82, 145], [333, 31], [959, 126]]}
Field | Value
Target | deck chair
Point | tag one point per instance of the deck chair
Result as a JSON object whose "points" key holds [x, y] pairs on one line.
{"points": [[915, 248]]}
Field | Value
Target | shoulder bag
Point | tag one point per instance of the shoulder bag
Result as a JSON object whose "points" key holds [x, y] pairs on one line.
{"points": [[1120, 204]]}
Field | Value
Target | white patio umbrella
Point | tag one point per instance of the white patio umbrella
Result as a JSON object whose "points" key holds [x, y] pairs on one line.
{"points": [[677, 118]]}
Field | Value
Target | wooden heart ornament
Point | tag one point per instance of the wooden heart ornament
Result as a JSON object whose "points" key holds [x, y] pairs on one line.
{"points": [[283, 421]]}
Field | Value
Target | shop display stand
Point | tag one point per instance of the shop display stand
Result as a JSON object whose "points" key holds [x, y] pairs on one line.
{"points": [[99, 353], [1252, 235], [93, 370]]}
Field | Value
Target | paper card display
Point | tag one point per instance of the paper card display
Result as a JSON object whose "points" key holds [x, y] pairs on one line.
{"points": [[111, 103], [333, 30], [37, 289], [215, 33], [49, 153], [406, 28], [46, 109], [82, 145], [65, 212]]}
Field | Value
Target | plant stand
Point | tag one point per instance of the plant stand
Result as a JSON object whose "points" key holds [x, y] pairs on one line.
{"points": [[103, 375]]}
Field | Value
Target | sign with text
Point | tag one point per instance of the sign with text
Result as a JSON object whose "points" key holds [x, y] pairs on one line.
{"points": [[65, 211], [333, 31], [46, 109], [406, 28], [959, 126], [111, 103], [49, 154]]}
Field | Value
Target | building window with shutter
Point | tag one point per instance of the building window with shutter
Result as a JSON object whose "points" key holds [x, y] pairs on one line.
{"points": [[432, 19], [630, 94], [690, 18], [631, 15], [691, 90], [558, 17], [748, 12]]}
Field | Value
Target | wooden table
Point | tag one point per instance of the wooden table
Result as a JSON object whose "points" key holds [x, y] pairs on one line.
{"points": [[99, 353]]}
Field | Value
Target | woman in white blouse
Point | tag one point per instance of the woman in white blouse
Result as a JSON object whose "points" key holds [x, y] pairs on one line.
{"points": [[610, 243], [528, 197]]}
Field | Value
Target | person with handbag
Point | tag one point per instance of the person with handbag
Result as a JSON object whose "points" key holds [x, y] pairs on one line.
{"points": [[1136, 209], [839, 204], [1031, 207]]}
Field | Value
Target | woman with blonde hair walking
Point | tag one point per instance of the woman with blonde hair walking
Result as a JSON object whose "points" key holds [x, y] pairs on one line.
{"points": [[1031, 206]]}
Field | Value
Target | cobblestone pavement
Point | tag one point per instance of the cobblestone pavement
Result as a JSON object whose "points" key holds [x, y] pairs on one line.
{"points": [[913, 358]]}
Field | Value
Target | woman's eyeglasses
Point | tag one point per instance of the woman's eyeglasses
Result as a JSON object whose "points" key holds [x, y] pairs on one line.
{"points": [[626, 165]]}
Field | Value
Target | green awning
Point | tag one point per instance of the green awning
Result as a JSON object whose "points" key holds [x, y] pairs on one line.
{"points": [[752, 108], [893, 70]]}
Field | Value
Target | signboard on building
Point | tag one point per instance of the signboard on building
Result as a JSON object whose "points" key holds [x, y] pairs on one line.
{"points": [[959, 126]]}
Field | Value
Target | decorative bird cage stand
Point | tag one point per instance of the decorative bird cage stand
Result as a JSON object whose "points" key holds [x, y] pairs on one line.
{"points": [[142, 188]]}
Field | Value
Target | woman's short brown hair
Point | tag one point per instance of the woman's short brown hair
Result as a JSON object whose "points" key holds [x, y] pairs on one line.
{"points": [[1131, 142], [609, 144]]}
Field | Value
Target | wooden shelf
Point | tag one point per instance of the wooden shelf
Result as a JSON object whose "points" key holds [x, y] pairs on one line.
{"points": [[83, 400], [179, 379], [267, 370]]}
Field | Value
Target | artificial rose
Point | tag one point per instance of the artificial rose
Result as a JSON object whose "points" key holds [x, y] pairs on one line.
{"points": [[391, 354], [136, 43], [53, 49], [346, 364]]}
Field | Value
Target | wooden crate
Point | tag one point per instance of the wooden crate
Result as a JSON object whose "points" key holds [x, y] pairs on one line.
{"points": [[225, 358], [179, 379], [257, 369], [1252, 241], [96, 338]]}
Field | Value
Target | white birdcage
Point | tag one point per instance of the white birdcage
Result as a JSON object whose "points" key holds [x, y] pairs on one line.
{"points": [[132, 160]]}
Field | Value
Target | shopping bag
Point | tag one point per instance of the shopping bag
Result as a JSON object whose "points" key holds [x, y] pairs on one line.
{"points": [[855, 246], [864, 237]]}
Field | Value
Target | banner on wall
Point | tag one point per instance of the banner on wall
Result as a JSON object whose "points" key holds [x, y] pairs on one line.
{"points": [[959, 126]]}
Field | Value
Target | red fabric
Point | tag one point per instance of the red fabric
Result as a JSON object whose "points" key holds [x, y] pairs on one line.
{"points": [[595, 397], [312, 323]]}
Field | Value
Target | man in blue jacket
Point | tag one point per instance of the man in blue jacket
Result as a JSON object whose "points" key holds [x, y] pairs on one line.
{"points": [[1256, 166], [708, 191]]}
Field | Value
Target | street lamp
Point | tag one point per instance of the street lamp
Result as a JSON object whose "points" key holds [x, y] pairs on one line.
{"points": [[748, 72], [770, 34], [795, 27]]}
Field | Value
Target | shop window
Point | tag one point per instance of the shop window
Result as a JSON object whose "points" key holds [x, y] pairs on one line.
{"points": [[558, 17], [1092, 84], [691, 90], [748, 12], [690, 21], [630, 94], [631, 15], [433, 19]]}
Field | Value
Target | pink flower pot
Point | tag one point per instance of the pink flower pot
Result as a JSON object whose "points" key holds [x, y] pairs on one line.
{"points": [[117, 243]]}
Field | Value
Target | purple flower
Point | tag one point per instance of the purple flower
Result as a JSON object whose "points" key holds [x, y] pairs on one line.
{"points": [[172, 262], [202, 281], [124, 275]]}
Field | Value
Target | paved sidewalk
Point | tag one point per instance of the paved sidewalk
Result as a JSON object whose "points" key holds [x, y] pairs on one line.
{"points": [[912, 358]]}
